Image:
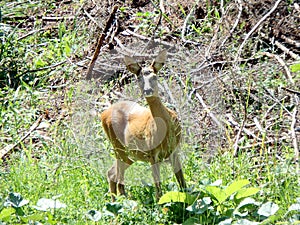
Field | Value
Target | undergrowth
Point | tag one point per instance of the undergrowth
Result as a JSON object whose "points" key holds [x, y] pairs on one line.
{"points": [[56, 173]]}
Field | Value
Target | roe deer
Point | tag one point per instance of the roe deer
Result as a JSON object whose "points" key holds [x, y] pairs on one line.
{"points": [[139, 133]]}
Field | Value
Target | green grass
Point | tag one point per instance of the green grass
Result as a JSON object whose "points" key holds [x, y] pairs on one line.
{"points": [[63, 172]]}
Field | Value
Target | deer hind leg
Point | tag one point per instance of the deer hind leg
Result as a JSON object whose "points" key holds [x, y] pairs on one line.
{"points": [[112, 180], [156, 176], [177, 169]]}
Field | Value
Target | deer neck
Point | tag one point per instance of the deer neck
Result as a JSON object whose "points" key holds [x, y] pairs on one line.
{"points": [[157, 108]]}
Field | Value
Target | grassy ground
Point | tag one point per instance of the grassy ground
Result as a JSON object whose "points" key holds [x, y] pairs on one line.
{"points": [[56, 174]]}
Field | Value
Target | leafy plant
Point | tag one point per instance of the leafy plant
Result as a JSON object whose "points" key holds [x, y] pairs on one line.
{"points": [[225, 205], [14, 208]]}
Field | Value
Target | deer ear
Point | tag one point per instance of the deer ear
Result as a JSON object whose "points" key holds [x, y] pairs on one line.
{"points": [[132, 65], [159, 61]]}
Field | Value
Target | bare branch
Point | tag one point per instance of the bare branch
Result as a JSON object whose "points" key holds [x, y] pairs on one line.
{"points": [[100, 42], [254, 28]]}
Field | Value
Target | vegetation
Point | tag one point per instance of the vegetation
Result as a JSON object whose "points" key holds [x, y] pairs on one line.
{"points": [[232, 75]]}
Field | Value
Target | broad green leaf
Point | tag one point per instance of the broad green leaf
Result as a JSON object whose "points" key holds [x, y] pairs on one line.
{"points": [[216, 183], [33, 217], [114, 207], [40, 63], [246, 222], [175, 196], [45, 204], [268, 209], [94, 215], [191, 221], [226, 222], [15, 200], [246, 192], [295, 67], [246, 202], [6, 212], [200, 206], [222, 194], [218, 193], [235, 186], [294, 207]]}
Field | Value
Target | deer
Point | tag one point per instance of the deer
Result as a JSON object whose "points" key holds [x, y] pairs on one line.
{"points": [[150, 134]]}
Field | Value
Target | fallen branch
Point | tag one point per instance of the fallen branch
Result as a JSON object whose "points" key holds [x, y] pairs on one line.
{"points": [[287, 51], [185, 26], [282, 63], [8, 148], [57, 18], [254, 28], [294, 139], [291, 91], [240, 8], [33, 32], [290, 41], [212, 116], [168, 44], [100, 42]]}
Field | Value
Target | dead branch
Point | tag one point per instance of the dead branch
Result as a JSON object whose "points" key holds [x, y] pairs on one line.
{"points": [[231, 121], [291, 91], [290, 41], [8, 148], [92, 19], [33, 32], [287, 51], [240, 7], [57, 18], [127, 31], [206, 108], [282, 63], [254, 29], [185, 25], [100, 42], [294, 138]]}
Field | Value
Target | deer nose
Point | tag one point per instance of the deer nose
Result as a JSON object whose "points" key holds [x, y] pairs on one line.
{"points": [[148, 92]]}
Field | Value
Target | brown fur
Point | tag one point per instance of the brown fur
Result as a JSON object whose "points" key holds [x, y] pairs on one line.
{"points": [[145, 134]]}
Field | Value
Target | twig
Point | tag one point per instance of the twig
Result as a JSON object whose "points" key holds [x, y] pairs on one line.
{"points": [[221, 62], [287, 51], [43, 68], [282, 63], [185, 25], [235, 23], [161, 6], [57, 18], [290, 41], [212, 116], [241, 128], [254, 28], [294, 139], [146, 38], [158, 23], [291, 91], [33, 32], [100, 42], [92, 19], [270, 95], [8, 148]]}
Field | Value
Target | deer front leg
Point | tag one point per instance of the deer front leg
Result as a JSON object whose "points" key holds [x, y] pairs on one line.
{"points": [[156, 177], [116, 178], [177, 169]]}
